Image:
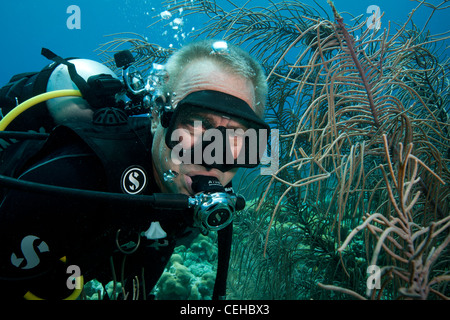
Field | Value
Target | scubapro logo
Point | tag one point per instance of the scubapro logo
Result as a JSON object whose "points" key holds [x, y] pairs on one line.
{"points": [[134, 180], [30, 256]]}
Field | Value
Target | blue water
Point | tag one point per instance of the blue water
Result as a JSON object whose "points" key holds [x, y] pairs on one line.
{"points": [[26, 26]]}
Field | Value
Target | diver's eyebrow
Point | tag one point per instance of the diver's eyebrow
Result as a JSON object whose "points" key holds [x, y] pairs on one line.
{"points": [[211, 123], [206, 121]]}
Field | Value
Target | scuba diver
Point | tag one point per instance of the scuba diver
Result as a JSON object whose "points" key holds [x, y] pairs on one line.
{"points": [[103, 178]]}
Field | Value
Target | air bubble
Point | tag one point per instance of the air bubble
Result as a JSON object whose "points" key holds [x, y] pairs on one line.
{"points": [[166, 15], [170, 175]]}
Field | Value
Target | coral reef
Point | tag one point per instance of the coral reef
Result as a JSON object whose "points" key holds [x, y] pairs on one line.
{"points": [[190, 274], [94, 290]]}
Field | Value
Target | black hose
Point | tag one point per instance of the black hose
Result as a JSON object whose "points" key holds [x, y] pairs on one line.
{"points": [[19, 135], [159, 200]]}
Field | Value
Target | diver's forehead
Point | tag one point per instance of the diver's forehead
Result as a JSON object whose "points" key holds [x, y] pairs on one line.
{"points": [[207, 75]]}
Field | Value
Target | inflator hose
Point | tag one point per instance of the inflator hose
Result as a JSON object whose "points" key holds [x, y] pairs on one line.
{"points": [[14, 113]]}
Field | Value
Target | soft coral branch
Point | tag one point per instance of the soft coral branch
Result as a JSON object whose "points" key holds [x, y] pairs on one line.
{"points": [[351, 48]]}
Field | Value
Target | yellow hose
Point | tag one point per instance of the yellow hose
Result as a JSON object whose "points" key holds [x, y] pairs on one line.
{"points": [[14, 113], [73, 296]]}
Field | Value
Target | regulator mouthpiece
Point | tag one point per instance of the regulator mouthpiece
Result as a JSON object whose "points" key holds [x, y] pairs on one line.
{"points": [[206, 184], [214, 208]]}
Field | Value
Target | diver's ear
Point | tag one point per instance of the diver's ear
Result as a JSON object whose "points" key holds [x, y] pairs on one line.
{"points": [[155, 121], [155, 113]]}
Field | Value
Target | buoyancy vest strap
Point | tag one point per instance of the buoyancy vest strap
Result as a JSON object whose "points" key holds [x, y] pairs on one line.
{"points": [[119, 148]]}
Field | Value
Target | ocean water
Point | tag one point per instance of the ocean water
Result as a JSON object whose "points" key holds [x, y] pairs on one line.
{"points": [[26, 26]]}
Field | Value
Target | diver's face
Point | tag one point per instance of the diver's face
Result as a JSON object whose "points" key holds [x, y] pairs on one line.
{"points": [[199, 75]]}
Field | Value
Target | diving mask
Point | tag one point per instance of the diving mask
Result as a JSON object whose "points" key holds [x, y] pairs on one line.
{"points": [[216, 146]]}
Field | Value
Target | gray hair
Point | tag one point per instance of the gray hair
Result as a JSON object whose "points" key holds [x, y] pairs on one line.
{"points": [[236, 61]]}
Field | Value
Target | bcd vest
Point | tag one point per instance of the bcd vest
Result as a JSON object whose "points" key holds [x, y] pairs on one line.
{"points": [[123, 148]]}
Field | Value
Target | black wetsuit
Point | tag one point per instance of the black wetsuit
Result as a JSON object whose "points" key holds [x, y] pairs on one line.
{"points": [[37, 230]]}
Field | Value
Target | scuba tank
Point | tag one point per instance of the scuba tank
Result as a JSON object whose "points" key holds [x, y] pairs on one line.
{"points": [[70, 73]]}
